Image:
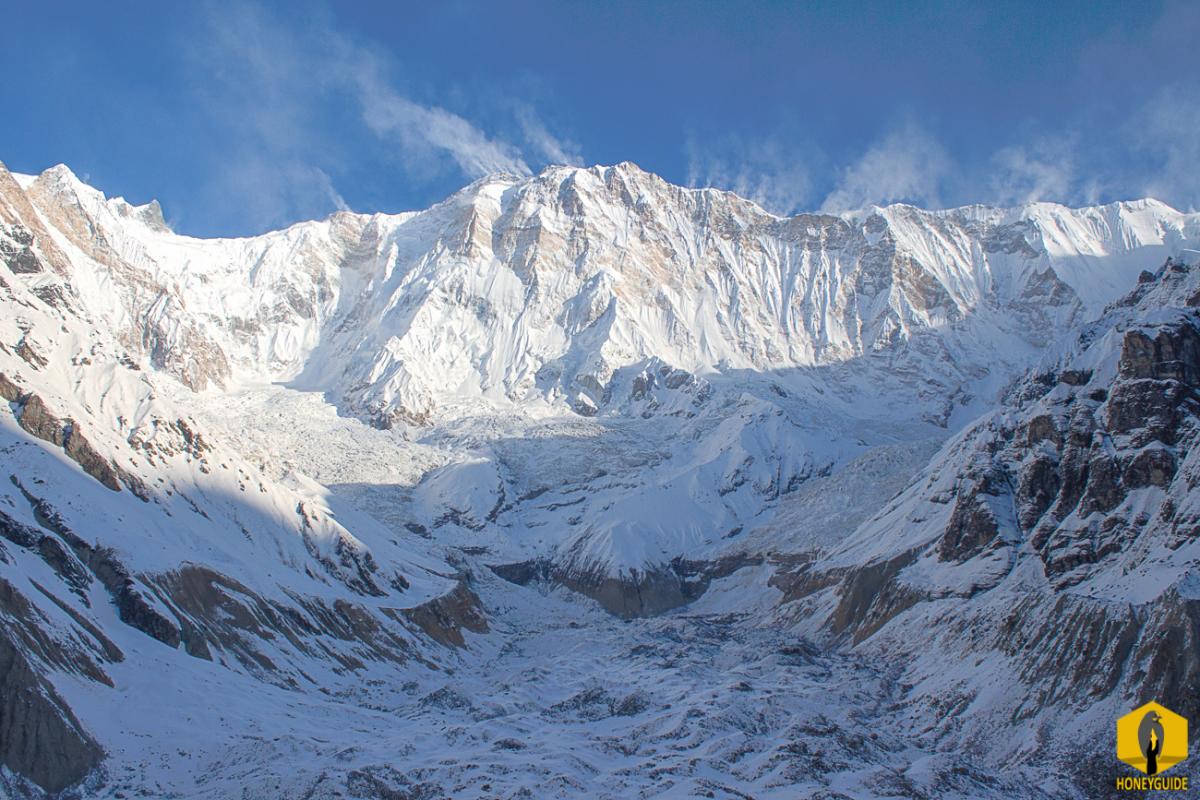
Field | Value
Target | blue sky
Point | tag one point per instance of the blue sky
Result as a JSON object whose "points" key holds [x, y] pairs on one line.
{"points": [[245, 116]]}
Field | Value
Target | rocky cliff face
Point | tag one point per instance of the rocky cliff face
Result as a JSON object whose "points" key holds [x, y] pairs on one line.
{"points": [[1043, 565]]}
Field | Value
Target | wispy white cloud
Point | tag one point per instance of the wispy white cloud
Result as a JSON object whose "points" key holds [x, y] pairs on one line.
{"points": [[1154, 155], [1167, 132], [1041, 169], [271, 84], [325, 184], [908, 164], [552, 149], [246, 71], [270, 192], [418, 128], [767, 171]]}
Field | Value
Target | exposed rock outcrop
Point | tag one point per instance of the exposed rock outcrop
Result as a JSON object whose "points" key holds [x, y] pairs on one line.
{"points": [[16, 250], [9, 390], [444, 618], [972, 527], [40, 738], [132, 606], [634, 594], [35, 417], [82, 453]]}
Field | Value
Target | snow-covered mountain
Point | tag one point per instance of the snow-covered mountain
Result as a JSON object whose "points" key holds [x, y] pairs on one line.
{"points": [[518, 291], [303, 458]]}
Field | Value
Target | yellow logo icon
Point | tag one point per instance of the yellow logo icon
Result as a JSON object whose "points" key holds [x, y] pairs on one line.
{"points": [[1152, 738]]}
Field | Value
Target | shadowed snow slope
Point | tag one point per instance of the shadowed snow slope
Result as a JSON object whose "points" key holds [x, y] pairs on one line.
{"points": [[259, 482]]}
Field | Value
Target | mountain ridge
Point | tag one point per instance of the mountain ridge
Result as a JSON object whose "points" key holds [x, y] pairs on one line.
{"points": [[27, 179], [828, 334]]}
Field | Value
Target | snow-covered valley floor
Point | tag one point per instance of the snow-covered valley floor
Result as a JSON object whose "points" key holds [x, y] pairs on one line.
{"points": [[559, 700]]}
